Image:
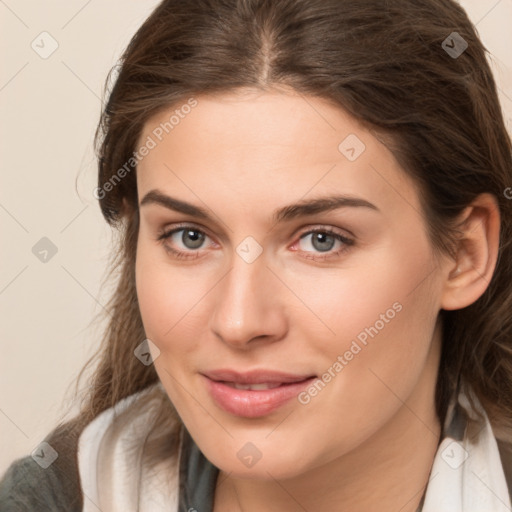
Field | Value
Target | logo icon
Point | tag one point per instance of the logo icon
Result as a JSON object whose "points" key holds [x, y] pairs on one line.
{"points": [[44, 455], [352, 147], [454, 455], [455, 45], [44, 45], [44, 250], [249, 249], [147, 352], [249, 455]]}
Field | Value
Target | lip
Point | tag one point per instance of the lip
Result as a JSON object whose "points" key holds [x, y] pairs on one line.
{"points": [[254, 403], [255, 376]]}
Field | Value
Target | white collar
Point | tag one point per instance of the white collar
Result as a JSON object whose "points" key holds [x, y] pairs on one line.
{"points": [[110, 460], [467, 474]]}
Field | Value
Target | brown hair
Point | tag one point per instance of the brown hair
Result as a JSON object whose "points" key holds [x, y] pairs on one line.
{"points": [[384, 62]]}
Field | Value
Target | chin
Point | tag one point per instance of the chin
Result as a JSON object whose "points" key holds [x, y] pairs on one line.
{"points": [[257, 460]]}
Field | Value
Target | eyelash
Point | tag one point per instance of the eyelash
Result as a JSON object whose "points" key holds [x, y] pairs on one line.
{"points": [[165, 234]]}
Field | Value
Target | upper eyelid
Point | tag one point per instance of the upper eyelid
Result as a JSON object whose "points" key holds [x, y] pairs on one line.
{"points": [[180, 227]]}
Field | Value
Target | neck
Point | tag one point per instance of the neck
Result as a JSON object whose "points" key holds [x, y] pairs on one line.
{"points": [[388, 472]]}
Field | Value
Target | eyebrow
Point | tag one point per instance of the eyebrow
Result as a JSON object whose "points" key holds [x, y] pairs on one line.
{"points": [[285, 213]]}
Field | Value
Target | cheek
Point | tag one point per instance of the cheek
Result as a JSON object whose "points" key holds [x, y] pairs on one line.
{"points": [[156, 292], [384, 322], [169, 300], [166, 304], [388, 293], [384, 301]]}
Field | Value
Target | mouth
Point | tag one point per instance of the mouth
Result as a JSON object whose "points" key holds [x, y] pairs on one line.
{"points": [[253, 387], [253, 394], [256, 376]]}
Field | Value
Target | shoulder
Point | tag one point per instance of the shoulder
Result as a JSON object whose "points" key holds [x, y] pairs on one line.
{"points": [[27, 486], [102, 461], [46, 480]]}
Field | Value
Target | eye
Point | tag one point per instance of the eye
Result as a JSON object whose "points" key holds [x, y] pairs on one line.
{"points": [[183, 242], [324, 241], [187, 242]]}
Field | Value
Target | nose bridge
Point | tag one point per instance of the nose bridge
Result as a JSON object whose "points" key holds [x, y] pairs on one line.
{"points": [[246, 304]]}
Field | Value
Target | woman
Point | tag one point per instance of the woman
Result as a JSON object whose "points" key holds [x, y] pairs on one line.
{"points": [[314, 302]]}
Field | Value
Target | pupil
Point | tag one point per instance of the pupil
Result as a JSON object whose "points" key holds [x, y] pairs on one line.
{"points": [[321, 238], [195, 236]]}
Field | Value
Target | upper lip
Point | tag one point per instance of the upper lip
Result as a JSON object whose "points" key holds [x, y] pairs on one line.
{"points": [[259, 376]]}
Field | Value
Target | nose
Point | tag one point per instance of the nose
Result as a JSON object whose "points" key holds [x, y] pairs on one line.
{"points": [[248, 308]]}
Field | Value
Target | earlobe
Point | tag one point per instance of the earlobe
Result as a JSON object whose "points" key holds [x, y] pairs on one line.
{"points": [[477, 254]]}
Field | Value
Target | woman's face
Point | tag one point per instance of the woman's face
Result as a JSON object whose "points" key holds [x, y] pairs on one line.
{"points": [[335, 305]]}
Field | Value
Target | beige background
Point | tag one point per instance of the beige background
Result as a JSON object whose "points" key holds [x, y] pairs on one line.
{"points": [[48, 110]]}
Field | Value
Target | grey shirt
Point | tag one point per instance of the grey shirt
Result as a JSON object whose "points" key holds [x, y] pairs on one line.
{"points": [[28, 487]]}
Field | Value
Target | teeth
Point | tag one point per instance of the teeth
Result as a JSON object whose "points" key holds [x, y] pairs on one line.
{"points": [[253, 387]]}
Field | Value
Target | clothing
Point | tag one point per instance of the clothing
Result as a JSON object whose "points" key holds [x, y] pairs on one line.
{"points": [[467, 475]]}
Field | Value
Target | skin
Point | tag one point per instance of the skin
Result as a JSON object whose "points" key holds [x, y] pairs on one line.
{"points": [[368, 439]]}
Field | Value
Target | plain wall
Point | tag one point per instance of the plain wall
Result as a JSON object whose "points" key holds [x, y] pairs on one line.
{"points": [[49, 108]]}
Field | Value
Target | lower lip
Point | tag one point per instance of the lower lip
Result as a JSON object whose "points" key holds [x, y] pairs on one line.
{"points": [[254, 403]]}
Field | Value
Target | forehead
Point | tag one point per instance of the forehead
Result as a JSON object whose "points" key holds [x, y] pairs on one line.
{"points": [[273, 145], [277, 121]]}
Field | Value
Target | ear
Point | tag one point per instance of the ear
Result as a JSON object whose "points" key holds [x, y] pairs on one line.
{"points": [[477, 253]]}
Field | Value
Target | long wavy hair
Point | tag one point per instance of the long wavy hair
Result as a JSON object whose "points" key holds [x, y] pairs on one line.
{"points": [[388, 64]]}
